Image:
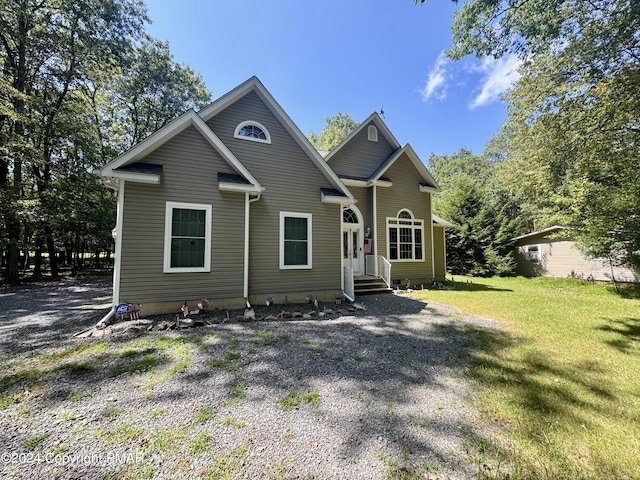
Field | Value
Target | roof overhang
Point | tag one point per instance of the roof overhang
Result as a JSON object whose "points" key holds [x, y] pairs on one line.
{"points": [[360, 182], [331, 195], [237, 187], [428, 188], [544, 231], [136, 177], [440, 222]]}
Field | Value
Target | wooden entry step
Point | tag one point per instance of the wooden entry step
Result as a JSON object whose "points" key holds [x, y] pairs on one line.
{"points": [[368, 285]]}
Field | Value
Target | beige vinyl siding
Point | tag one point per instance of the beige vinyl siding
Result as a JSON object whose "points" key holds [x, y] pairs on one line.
{"points": [[560, 258], [292, 182], [190, 169], [361, 157], [439, 253], [405, 193]]}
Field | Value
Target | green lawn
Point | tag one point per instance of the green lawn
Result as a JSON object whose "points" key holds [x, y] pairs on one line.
{"points": [[562, 379]]}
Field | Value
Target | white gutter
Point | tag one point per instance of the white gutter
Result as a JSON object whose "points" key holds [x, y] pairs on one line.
{"points": [[117, 233], [247, 202]]}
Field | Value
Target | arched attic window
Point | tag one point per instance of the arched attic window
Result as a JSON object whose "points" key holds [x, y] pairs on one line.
{"points": [[254, 131], [372, 133]]}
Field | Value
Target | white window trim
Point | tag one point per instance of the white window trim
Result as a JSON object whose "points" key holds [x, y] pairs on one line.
{"points": [[241, 125], [414, 227], [309, 264], [531, 254], [168, 216], [372, 133]]}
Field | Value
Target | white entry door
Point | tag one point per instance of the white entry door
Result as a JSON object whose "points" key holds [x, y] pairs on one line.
{"points": [[352, 241]]}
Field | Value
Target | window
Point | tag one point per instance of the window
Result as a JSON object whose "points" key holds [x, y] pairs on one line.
{"points": [[372, 133], [349, 216], [405, 237], [254, 131], [532, 252], [187, 243], [295, 240]]}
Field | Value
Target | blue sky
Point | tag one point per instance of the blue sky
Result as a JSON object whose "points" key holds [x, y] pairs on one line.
{"points": [[355, 56]]}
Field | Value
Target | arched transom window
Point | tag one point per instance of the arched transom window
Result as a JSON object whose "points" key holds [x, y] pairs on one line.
{"points": [[254, 131], [349, 216], [405, 237]]}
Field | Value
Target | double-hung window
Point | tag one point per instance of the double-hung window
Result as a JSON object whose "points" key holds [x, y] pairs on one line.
{"points": [[405, 237], [187, 241], [295, 240]]}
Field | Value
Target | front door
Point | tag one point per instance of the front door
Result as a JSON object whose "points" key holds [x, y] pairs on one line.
{"points": [[352, 241]]}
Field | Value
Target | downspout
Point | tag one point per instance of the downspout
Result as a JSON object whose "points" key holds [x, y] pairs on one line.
{"points": [[247, 202], [117, 234], [444, 249], [342, 207], [433, 257], [375, 230]]}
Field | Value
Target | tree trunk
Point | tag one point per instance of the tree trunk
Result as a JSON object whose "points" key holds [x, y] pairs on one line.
{"points": [[13, 267], [51, 249], [37, 261]]}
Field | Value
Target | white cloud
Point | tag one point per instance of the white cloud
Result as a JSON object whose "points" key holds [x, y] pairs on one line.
{"points": [[500, 74], [435, 86]]}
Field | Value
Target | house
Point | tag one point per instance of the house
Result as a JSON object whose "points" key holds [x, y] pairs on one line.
{"points": [[233, 204], [552, 252]]}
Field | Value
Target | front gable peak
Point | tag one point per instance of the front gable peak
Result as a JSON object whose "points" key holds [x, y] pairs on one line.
{"points": [[123, 166], [373, 127], [254, 85], [429, 183]]}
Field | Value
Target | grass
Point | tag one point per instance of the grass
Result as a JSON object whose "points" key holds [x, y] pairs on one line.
{"points": [[228, 362], [295, 398], [202, 442], [562, 378], [120, 434], [394, 471], [35, 441], [238, 392], [165, 439], [228, 464], [229, 421], [203, 415]]}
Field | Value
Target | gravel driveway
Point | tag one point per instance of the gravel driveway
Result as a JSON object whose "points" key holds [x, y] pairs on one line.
{"points": [[366, 395]]}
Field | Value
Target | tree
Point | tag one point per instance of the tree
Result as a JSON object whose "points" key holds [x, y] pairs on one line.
{"points": [[336, 129], [79, 82], [150, 90], [484, 214], [574, 133], [578, 158]]}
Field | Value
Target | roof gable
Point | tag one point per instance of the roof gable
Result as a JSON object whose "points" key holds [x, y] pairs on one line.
{"points": [[254, 85], [118, 167], [430, 182], [380, 125]]}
